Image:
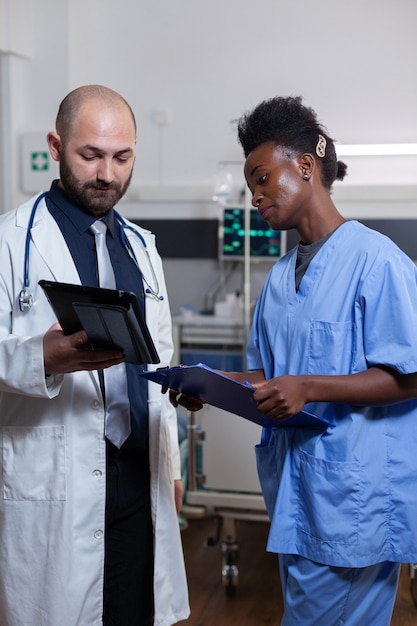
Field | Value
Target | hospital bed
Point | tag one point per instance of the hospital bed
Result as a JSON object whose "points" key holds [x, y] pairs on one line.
{"points": [[222, 475], [222, 478]]}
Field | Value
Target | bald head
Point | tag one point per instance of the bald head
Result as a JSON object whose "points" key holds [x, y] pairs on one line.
{"points": [[95, 145], [88, 95]]}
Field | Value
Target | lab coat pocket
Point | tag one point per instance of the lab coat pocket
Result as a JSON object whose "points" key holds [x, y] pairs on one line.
{"points": [[328, 499], [34, 463], [331, 348], [268, 475]]}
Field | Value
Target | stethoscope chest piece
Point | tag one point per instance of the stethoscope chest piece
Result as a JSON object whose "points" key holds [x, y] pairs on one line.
{"points": [[25, 300]]}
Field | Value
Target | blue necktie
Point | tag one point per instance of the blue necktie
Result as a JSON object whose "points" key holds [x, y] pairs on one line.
{"points": [[117, 426]]}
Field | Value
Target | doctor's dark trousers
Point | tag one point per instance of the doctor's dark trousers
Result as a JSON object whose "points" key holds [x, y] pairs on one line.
{"points": [[129, 559]]}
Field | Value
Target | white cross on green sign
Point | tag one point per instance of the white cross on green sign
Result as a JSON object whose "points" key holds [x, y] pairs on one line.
{"points": [[39, 161]]}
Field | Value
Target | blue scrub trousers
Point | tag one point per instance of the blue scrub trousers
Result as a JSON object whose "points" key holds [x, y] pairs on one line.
{"points": [[318, 595]]}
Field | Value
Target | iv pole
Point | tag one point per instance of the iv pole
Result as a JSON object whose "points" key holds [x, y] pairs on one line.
{"points": [[246, 274], [222, 192]]}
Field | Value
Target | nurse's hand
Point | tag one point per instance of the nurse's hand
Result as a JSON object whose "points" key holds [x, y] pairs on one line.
{"points": [[63, 354], [178, 494], [181, 399], [280, 397]]}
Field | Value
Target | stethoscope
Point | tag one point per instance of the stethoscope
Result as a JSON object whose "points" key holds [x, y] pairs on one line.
{"points": [[26, 298]]}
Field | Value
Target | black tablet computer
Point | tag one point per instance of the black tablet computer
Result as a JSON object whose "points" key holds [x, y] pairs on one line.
{"points": [[111, 318]]}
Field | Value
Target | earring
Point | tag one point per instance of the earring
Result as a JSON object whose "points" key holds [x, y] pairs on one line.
{"points": [[306, 176]]}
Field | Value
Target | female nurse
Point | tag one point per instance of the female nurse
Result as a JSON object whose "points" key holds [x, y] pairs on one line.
{"points": [[334, 333]]}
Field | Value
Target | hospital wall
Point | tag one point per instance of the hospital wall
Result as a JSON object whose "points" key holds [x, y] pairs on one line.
{"points": [[190, 69]]}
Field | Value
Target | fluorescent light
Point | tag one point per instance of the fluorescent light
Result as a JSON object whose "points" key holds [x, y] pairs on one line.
{"points": [[376, 149]]}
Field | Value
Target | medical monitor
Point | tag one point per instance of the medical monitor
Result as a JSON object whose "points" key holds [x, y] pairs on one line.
{"points": [[265, 243]]}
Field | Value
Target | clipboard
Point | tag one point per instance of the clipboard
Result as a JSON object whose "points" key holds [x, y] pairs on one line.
{"points": [[111, 318], [212, 387]]}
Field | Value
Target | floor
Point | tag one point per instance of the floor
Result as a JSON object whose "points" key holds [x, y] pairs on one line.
{"points": [[257, 599]]}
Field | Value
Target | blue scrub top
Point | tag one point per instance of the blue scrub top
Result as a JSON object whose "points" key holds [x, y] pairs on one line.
{"points": [[345, 496]]}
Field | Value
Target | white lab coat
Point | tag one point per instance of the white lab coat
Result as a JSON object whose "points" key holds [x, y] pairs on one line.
{"points": [[53, 451]]}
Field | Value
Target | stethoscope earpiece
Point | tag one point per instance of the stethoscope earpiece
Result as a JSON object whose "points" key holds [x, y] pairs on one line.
{"points": [[149, 290], [153, 293]]}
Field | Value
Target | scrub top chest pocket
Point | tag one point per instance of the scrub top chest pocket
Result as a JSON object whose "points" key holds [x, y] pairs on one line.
{"points": [[331, 348]]}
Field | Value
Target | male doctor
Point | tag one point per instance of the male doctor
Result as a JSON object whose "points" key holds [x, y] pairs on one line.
{"points": [[88, 529]]}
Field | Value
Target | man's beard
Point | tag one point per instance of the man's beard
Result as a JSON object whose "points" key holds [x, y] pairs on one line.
{"points": [[96, 197]]}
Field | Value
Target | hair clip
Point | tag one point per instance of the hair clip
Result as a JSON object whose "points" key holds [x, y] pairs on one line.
{"points": [[321, 146]]}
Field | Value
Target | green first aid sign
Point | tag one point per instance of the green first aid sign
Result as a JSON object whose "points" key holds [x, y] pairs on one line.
{"points": [[39, 161]]}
